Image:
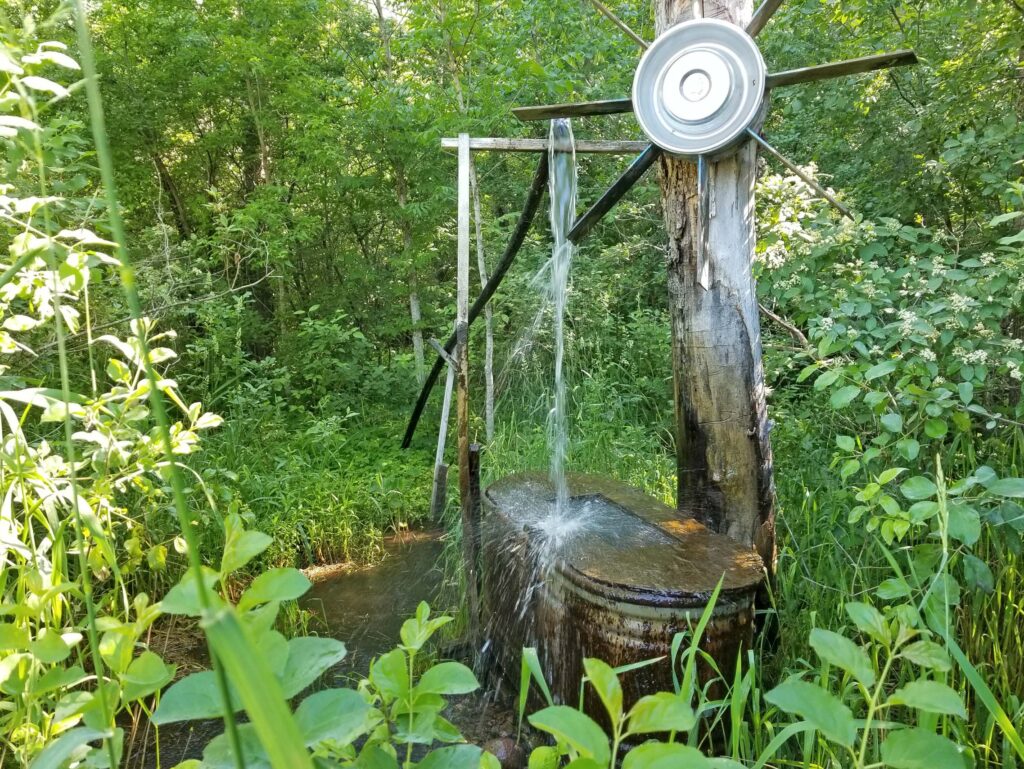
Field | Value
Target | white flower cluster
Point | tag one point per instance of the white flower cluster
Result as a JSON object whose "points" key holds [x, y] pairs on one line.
{"points": [[988, 259], [975, 357], [775, 255], [1015, 372], [827, 323], [928, 354], [907, 320], [959, 302]]}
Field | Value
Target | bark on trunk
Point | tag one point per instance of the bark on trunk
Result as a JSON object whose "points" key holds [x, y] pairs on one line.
{"points": [[722, 444]]}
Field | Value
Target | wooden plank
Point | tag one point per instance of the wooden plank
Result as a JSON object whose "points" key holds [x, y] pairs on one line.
{"points": [[794, 168], [573, 109], [541, 145], [842, 68], [607, 12], [462, 389], [440, 491], [763, 15], [439, 495]]}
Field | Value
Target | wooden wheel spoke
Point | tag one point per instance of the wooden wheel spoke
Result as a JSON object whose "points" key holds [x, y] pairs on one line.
{"points": [[842, 68], [571, 110]]}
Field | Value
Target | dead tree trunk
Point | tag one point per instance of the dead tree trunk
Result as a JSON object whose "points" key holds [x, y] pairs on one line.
{"points": [[723, 451]]}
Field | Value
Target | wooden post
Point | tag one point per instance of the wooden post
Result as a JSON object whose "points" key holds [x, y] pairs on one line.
{"points": [[723, 451], [440, 491], [469, 543]]}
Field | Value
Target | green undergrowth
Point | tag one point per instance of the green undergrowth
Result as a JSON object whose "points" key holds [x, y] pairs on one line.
{"points": [[326, 489]]}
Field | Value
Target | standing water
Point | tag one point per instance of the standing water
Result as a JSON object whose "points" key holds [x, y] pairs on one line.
{"points": [[562, 191]]}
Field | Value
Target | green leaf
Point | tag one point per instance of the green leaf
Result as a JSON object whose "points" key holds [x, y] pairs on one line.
{"points": [[935, 428], [909, 448], [892, 589], [966, 391], [927, 654], [275, 585], [196, 696], [218, 754], [145, 675], [309, 658], [964, 523], [1007, 487], [827, 379], [448, 678], [544, 757], [607, 686], [341, 715], [845, 443], [49, 647], [890, 475], [13, 637], [840, 651], [931, 697], [893, 423], [374, 756], [918, 487], [184, 598], [56, 754], [240, 546], [574, 729], [661, 712], [452, 757], [663, 755], [880, 370], [844, 396], [390, 674], [920, 749], [818, 707], [869, 621], [978, 574]]}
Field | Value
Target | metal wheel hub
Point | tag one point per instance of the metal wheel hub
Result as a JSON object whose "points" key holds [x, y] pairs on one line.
{"points": [[699, 87]]}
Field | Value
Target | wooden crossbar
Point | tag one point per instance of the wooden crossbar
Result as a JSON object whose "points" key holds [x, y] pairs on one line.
{"points": [[541, 145]]}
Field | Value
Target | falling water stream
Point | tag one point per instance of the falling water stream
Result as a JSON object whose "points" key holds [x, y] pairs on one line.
{"points": [[562, 191]]}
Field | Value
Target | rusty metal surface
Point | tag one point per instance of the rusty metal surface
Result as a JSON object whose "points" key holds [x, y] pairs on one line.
{"points": [[570, 613]]}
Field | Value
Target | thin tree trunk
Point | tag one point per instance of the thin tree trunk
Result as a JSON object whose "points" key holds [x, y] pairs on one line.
{"points": [[723, 451], [177, 204], [402, 193]]}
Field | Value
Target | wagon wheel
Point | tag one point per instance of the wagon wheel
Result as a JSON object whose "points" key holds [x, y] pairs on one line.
{"points": [[701, 92]]}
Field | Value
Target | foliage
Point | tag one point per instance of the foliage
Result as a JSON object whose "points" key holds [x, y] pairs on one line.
{"points": [[285, 197]]}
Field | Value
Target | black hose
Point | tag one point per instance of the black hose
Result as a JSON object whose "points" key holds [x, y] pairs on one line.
{"points": [[540, 180]]}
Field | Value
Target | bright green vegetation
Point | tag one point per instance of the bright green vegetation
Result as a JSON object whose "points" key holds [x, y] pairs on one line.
{"points": [[208, 363]]}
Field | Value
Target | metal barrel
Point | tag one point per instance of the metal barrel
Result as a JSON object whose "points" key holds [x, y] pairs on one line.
{"points": [[621, 598]]}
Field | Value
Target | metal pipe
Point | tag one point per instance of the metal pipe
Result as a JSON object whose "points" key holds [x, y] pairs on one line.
{"points": [[596, 212], [540, 180], [804, 177]]}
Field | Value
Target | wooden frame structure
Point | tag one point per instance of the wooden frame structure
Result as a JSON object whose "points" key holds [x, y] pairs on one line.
{"points": [[458, 363]]}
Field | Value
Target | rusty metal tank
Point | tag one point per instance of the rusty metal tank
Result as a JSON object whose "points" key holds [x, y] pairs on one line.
{"points": [[617, 581]]}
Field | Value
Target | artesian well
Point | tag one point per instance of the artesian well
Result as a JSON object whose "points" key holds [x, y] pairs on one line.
{"points": [[615, 576]]}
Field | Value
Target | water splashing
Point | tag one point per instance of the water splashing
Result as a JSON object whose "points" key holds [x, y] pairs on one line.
{"points": [[562, 191]]}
